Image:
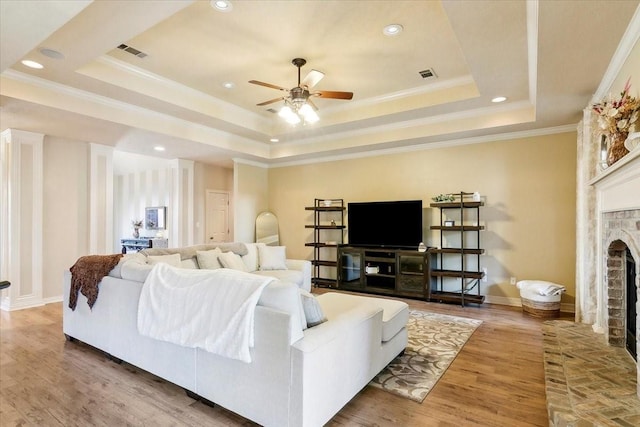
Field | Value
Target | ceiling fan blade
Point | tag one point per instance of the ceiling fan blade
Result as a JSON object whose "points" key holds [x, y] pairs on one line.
{"points": [[271, 101], [312, 79], [256, 82], [310, 102], [333, 94]]}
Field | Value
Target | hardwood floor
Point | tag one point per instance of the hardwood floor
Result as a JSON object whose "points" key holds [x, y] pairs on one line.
{"points": [[496, 380]]}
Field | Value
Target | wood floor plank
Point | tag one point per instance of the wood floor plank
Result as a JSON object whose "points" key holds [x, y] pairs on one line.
{"points": [[496, 380]]}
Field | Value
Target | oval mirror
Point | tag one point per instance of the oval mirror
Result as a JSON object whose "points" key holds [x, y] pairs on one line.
{"points": [[267, 229]]}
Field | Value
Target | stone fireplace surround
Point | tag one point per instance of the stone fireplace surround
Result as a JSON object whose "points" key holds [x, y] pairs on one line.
{"points": [[615, 226]]}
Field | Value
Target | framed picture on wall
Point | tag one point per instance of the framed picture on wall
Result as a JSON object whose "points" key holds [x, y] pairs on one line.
{"points": [[155, 218]]}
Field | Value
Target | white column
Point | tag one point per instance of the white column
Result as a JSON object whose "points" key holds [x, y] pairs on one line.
{"points": [[181, 208], [21, 204], [100, 199]]}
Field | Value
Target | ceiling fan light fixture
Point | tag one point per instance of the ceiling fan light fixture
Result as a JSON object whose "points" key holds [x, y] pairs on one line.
{"points": [[310, 116], [392, 30], [222, 5], [289, 115]]}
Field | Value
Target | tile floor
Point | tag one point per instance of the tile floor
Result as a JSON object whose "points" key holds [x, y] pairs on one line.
{"points": [[588, 383]]}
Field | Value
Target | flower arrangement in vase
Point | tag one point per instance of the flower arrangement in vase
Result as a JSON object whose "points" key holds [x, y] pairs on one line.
{"points": [[615, 118], [137, 224]]}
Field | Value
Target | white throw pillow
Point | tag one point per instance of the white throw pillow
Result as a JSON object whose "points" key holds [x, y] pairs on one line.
{"points": [[232, 261], [251, 258], [173, 259], [312, 310], [272, 257], [208, 260]]}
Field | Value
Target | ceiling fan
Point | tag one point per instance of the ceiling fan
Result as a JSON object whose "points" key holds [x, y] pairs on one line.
{"points": [[298, 96]]}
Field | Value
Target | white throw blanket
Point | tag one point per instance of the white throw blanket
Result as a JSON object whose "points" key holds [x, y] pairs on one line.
{"points": [[541, 287], [209, 309]]}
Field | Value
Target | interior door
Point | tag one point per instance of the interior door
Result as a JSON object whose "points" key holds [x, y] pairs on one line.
{"points": [[217, 216]]}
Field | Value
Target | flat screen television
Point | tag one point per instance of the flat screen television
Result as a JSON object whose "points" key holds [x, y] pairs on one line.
{"points": [[392, 224]]}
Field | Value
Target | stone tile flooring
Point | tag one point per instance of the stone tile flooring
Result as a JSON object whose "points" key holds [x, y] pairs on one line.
{"points": [[588, 383]]}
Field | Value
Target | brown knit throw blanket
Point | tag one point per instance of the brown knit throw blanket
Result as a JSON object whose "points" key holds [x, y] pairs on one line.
{"points": [[87, 273]]}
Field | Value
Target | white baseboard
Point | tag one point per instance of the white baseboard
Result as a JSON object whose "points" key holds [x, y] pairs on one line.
{"points": [[51, 300], [22, 304]]}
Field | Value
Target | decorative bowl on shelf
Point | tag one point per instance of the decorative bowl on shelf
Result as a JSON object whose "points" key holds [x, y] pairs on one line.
{"points": [[327, 203], [633, 141]]}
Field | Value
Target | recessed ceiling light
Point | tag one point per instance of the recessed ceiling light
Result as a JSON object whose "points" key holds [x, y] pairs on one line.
{"points": [[274, 140], [159, 148], [222, 5], [228, 85], [499, 99], [392, 30], [32, 64], [51, 53]]}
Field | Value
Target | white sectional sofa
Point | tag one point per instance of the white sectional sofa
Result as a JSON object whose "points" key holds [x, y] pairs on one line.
{"points": [[297, 376], [136, 266]]}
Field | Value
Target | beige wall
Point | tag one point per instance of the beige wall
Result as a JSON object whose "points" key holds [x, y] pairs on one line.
{"points": [[528, 185], [209, 177], [65, 209], [251, 197]]}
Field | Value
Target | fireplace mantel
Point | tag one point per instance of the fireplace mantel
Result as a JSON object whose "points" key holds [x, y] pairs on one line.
{"points": [[617, 189], [618, 186]]}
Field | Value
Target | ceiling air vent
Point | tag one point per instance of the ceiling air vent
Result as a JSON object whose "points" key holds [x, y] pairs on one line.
{"points": [[428, 73], [132, 51]]}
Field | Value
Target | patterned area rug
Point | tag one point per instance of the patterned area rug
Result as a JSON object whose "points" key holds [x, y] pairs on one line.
{"points": [[434, 341]]}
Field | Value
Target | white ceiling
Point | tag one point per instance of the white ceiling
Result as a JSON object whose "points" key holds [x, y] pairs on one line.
{"points": [[547, 57]]}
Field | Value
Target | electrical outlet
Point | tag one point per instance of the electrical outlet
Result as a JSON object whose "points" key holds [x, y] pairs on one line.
{"points": [[485, 277], [513, 280]]}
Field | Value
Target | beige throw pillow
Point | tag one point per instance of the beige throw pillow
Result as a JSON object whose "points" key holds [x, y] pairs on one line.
{"points": [[232, 261], [208, 260]]}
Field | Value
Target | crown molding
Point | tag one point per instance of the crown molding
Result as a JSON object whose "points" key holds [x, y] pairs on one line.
{"points": [[457, 116], [197, 132], [394, 96], [180, 95], [250, 163], [432, 145], [626, 45]]}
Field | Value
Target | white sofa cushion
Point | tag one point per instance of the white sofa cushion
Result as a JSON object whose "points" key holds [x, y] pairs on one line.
{"points": [[136, 269], [394, 317], [117, 270], [272, 257], [292, 276], [232, 261], [208, 260], [285, 297], [251, 257], [173, 259]]}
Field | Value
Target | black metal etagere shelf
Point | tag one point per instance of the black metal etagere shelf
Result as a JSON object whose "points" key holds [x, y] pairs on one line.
{"points": [[468, 270], [328, 232]]}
